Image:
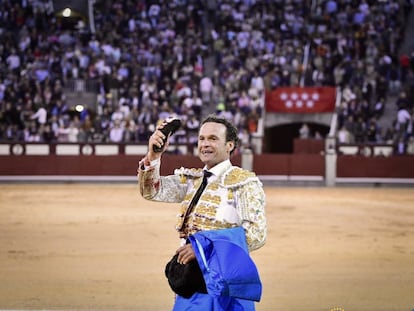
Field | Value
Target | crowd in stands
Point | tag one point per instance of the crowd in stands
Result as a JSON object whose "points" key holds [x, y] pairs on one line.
{"points": [[372, 73], [151, 59]]}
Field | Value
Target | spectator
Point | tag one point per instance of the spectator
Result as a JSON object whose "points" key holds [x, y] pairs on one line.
{"points": [[379, 108], [192, 125], [344, 136], [129, 130], [403, 119], [206, 88], [63, 133], [72, 133], [47, 135], [40, 115], [13, 62], [116, 132], [304, 131], [31, 134], [258, 46]]}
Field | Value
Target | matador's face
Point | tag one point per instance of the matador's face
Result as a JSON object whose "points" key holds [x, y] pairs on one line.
{"points": [[212, 145]]}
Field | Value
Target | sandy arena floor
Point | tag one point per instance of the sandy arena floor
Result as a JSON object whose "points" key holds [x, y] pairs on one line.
{"points": [[102, 247]]}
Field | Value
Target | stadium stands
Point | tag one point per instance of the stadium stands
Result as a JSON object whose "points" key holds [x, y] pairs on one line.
{"points": [[148, 59]]}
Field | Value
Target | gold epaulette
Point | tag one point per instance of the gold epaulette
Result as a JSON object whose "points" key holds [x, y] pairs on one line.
{"points": [[184, 172], [237, 176]]}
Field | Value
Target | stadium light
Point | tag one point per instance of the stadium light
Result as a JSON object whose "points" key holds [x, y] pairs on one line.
{"points": [[67, 12]]}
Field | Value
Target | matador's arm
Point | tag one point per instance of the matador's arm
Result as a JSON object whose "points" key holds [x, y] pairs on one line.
{"points": [[251, 208]]}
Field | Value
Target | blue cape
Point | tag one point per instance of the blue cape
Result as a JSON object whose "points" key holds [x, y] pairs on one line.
{"points": [[231, 277]]}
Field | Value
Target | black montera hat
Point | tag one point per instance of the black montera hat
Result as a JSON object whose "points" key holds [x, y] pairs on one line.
{"points": [[186, 279]]}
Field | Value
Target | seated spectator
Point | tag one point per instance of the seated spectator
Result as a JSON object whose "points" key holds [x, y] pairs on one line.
{"points": [[258, 45], [73, 132], [116, 132], [344, 136]]}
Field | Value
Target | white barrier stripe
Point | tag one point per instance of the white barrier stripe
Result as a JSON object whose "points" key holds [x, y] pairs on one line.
{"points": [[306, 178], [264, 178], [66, 178], [273, 177], [374, 180]]}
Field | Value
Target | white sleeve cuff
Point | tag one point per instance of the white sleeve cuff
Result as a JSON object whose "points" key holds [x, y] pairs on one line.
{"points": [[152, 164]]}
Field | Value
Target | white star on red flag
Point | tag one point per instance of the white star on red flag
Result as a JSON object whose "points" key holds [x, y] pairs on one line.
{"points": [[301, 100]]}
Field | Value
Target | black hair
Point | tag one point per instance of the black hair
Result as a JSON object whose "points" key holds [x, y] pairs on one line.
{"points": [[231, 130]]}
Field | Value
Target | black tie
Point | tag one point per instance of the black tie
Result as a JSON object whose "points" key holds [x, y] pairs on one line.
{"points": [[196, 197]]}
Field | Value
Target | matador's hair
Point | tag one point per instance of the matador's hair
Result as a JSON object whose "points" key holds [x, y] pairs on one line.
{"points": [[231, 130]]}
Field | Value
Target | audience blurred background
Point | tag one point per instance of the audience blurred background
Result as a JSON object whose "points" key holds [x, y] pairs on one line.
{"points": [[112, 72]]}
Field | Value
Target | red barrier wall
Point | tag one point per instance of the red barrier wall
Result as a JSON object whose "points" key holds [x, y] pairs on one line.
{"points": [[375, 167], [289, 164], [125, 165], [119, 165], [265, 164], [315, 146]]}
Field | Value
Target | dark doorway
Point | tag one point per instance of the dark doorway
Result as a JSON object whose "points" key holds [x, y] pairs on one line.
{"points": [[279, 139]]}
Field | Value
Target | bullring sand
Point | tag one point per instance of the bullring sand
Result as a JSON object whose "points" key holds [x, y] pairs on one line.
{"points": [[102, 247]]}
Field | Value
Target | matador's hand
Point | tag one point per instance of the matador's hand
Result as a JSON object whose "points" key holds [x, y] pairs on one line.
{"points": [[157, 139], [185, 254]]}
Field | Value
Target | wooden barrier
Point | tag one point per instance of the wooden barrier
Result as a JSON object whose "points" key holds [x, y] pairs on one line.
{"points": [[44, 160], [375, 167]]}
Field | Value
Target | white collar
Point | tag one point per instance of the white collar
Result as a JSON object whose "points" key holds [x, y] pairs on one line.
{"points": [[220, 168]]}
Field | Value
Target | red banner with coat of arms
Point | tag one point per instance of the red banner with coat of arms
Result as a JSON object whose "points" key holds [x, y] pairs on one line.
{"points": [[301, 99]]}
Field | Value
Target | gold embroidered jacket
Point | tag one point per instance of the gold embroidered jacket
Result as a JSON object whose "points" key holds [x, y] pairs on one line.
{"points": [[233, 197]]}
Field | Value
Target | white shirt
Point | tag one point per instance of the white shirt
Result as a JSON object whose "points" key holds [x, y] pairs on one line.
{"points": [[206, 84], [13, 61], [116, 134], [403, 116], [40, 115]]}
